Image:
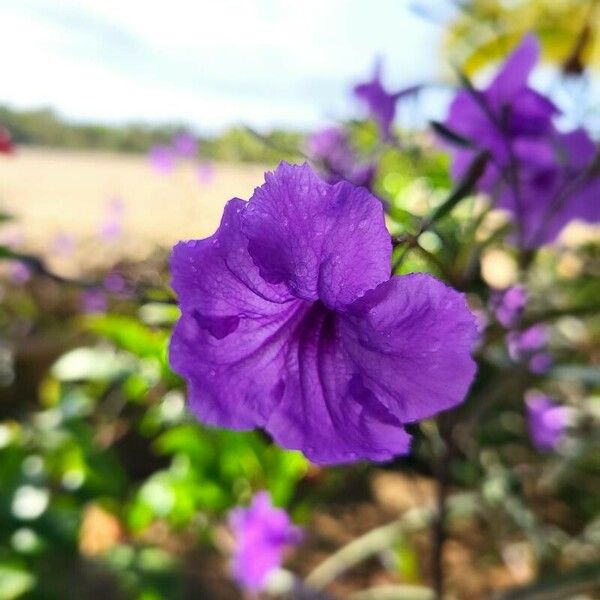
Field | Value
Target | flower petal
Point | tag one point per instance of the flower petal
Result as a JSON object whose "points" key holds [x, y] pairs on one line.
{"points": [[326, 411], [230, 340], [515, 71], [411, 339], [326, 242]]}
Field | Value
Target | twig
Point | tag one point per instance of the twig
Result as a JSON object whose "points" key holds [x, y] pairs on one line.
{"points": [[383, 537]]}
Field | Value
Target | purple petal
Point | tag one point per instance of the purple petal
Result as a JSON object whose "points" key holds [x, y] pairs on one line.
{"points": [[232, 379], [326, 242], [412, 338], [515, 72]]}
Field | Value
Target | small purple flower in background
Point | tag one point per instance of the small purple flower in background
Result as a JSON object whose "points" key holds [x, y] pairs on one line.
{"points": [[330, 149], [535, 170], [541, 363], [93, 301], [111, 227], [291, 322], [162, 158], [205, 172], [523, 344], [184, 145], [547, 421], [18, 272], [379, 102], [262, 533], [509, 305], [114, 283]]}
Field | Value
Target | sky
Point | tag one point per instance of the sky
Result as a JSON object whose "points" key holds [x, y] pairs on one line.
{"points": [[209, 64]]}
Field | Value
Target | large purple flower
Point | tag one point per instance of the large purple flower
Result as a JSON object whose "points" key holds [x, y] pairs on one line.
{"points": [[547, 421], [541, 176], [262, 533], [290, 322]]}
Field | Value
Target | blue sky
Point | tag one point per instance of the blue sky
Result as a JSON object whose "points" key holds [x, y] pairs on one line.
{"points": [[208, 63]]}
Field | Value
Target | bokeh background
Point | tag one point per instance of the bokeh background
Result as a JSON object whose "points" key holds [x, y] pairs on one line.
{"points": [[108, 488]]}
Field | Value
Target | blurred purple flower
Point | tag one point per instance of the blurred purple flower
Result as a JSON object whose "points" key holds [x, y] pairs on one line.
{"points": [[541, 176], [547, 421], [114, 283], [162, 158], [205, 172], [509, 305], [540, 363], [523, 344], [93, 301], [380, 104], [262, 533], [184, 145], [18, 272], [291, 322], [330, 149]]}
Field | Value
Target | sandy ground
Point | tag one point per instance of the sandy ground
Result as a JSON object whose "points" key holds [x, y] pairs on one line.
{"points": [[54, 192]]}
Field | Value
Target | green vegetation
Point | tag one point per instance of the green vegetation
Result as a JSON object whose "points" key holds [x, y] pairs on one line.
{"points": [[44, 127]]}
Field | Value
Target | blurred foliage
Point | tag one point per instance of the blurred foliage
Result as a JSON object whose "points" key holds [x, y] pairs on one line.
{"points": [[485, 31], [239, 144]]}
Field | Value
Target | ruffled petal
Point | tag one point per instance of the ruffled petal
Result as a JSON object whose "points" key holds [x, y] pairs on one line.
{"points": [[231, 339], [324, 242], [326, 410], [411, 341]]}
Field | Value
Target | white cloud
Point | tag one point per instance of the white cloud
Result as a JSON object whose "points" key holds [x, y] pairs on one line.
{"points": [[265, 62]]}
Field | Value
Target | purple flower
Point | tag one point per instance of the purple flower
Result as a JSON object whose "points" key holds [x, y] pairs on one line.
{"points": [[18, 272], [541, 363], [290, 322], [93, 301], [184, 145], [536, 173], [547, 421], [379, 102], [523, 344], [262, 533], [509, 305], [162, 158], [330, 149]]}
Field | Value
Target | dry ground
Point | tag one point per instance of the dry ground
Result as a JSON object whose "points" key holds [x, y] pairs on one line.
{"points": [[61, 191]]}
